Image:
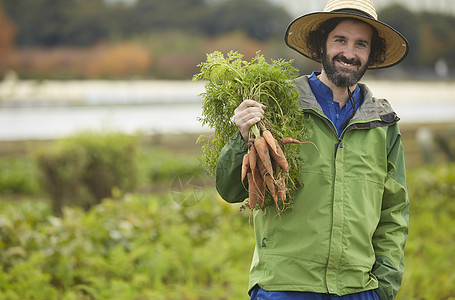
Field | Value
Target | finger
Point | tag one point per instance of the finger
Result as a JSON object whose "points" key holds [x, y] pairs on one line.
{"points": [[251, 103], [248, 108], [245, 124], [244, 116], [252, 120]]}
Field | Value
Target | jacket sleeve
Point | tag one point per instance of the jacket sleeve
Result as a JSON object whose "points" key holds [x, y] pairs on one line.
{"points": [[392, 231], [228, 170]]}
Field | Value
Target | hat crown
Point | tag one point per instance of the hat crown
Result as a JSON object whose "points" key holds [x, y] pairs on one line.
{"points": [[365, 6]]}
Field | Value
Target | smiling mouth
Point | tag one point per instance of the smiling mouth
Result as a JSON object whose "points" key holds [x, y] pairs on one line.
{"points": [[346, 64]]}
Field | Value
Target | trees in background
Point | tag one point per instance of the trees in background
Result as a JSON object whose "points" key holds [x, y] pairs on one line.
{"points": [[86, 24], [430, 35], [7, 34]]}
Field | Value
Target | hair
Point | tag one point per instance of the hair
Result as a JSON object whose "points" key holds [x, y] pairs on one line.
{"points": [[316, 40]]}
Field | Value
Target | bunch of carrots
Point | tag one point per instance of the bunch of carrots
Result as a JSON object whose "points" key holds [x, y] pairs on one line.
{"points": [[229, 80], [266, 168]]}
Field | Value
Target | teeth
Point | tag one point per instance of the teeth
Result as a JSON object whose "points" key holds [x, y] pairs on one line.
{"points": [[346, 64]]}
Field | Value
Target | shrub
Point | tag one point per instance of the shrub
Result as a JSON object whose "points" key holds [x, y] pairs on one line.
{"points": [[18, 176], [164, 166], [429, 249], [136, 247], [85, 168], [149, 247]]}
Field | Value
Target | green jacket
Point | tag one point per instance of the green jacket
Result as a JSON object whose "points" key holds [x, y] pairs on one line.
{"points": [[348, 225]]}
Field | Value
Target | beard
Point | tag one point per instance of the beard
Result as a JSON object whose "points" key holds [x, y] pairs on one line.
{"points": [[343, 78]]}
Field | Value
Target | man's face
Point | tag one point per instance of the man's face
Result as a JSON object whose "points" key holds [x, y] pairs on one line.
{"points": [[345, 58]]}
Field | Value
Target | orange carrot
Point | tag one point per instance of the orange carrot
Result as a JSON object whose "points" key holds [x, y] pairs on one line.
{"points": [[271, 186], [288, 140], [269, 139], [268, 179], [261, 188], [256, 189], [284, 163], [279, 157], [252, 191], [245, 165], [275, 150], [263, 153], [252, 155], [281, 189]]}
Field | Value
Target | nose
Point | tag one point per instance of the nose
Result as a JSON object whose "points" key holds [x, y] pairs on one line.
{"points": [[349, 52]]}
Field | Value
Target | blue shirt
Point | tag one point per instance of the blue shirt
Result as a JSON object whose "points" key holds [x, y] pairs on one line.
{"points": [[332, 109]]}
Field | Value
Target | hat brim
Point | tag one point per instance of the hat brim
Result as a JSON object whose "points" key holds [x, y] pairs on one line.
{"points": [[397, 46]]}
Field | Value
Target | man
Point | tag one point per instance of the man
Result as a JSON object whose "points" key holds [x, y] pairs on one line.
{"points": [[345, 234]]}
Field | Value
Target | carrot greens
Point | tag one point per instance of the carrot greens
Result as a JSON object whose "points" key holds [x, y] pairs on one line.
{"points": [[230, 80]]}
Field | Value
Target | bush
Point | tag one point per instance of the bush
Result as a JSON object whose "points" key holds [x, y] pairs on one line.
{"points": [[18, 176], [137, 247], [429, 250], [151, 247], [163, 165], [83, 169]]}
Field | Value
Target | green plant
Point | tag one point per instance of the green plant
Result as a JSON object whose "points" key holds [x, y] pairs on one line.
{"points": [[18, 176], [161, 166], [85, 168], [150, 247], [429, 249], [136, 247]]}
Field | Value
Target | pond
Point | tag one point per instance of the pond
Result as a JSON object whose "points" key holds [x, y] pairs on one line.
{"points": [[59, 109]]}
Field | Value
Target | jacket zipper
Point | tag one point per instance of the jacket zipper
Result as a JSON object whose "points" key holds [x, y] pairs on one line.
{"points": [[339, 143]]}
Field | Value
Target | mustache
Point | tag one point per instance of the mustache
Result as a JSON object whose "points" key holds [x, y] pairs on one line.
{"points": [[354, 61]]}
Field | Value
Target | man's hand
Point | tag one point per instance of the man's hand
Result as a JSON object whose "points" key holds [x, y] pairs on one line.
{"points": [[248, 113]]}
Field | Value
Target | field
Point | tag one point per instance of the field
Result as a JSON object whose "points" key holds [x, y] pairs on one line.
{"points": [[150, 245]]}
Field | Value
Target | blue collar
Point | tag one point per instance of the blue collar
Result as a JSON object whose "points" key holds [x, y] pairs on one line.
{"points": [[331, 109], [324, 93]]}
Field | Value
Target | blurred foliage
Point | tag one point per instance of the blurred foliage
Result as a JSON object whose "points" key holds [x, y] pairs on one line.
{"points": [[167, 39], [7, 34], [118, 60], [18, 176], [430, 247], [430, 35], [168, 166], [83, 169], [259, 19], [139, 247], [85, 22], [145, 246]]}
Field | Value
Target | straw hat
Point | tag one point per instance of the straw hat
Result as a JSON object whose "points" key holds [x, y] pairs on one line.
{"points": [[396, 44]]}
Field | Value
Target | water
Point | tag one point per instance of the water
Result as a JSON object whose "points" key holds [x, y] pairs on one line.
{"points": [[54, 122], [164, 108]]}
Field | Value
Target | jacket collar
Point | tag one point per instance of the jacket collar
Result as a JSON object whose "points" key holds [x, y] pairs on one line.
{"points": [[372, 108]]}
